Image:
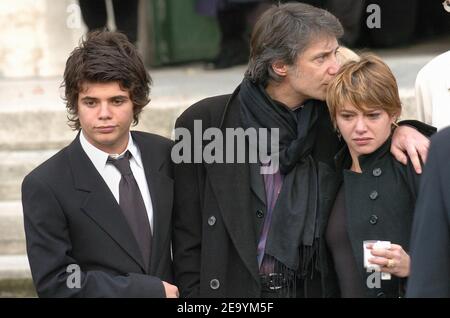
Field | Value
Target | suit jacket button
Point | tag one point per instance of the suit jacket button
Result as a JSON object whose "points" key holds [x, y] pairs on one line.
{"points": [[373, 219], [260, 214], [211, 220], [376, 172], [214, 284], [373, 195]]}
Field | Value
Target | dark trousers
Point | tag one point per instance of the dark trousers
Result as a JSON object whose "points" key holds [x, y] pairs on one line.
{"points": [[125, 13]]}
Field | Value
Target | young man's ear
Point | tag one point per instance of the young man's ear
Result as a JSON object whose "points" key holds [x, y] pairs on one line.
{"points": [[280, 68]]}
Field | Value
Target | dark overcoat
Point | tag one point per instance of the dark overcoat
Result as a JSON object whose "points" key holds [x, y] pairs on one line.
{"points": [[219, 211], [430, 242]]}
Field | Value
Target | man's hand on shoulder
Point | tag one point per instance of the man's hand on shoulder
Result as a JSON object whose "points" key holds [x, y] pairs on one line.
{"points": [[408, 140]]}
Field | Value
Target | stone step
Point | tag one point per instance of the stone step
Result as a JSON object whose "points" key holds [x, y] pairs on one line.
{"points": [[15, 166], [47, 129], [15, 277], [33, 114], [14, 267], [12, 234], [23, 152]]}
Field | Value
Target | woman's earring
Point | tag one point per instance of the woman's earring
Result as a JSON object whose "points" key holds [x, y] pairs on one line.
{"points": [[394, 124], [338, 134]]}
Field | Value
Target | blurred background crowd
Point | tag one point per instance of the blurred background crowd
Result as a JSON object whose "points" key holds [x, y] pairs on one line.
{"points": [[224, 26]]}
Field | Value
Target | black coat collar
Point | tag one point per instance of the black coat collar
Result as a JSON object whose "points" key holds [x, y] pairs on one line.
{"points": [[343, 159]]}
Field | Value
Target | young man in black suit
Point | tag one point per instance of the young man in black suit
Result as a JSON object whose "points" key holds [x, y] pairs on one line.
{"points": [[98, 214]]}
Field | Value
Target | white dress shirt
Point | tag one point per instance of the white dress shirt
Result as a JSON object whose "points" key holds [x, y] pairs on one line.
{"points": [[112, 176], [433, 91]]}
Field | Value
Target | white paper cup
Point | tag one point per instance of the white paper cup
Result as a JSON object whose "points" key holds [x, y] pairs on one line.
{"points": [[367, 254]]}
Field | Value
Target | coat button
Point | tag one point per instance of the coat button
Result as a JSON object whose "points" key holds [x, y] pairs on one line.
{"points": [[373, 195], [373, 219], [260, 214], [214, 284], [211, 220], [376, 172]]}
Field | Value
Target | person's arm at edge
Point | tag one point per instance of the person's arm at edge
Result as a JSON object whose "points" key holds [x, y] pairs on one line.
{"points": [[430, 254]]}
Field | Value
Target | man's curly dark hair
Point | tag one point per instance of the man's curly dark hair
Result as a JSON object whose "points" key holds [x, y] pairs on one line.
{"points": [[101, 58]]}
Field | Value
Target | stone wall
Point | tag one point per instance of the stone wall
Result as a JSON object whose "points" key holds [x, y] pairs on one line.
{"points": [[37, 36]]}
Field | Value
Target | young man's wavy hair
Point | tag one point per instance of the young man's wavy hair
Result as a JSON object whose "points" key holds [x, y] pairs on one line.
{"points": [[105, 57], [282, 33]]}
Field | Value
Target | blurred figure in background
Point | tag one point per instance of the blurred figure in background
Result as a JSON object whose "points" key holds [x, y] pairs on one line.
{"points": [[433, 92], [95, 16], [399, 24], [433, 87], [236, 19], [349, 13]]}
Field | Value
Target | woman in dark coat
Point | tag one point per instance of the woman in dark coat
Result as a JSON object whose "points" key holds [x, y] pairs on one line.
{"points": [[372, 195]]}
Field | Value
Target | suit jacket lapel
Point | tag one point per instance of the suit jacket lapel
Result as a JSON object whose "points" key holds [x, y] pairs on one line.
{"points": [[257, 182], [232, 180], [161, 192], [100, 204]]}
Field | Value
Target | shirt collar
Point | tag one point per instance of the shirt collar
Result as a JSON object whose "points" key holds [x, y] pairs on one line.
{"points": [[135, 153], [99, 157]]}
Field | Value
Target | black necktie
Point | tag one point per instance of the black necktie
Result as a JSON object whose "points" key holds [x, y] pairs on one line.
{"points": [[133, 207]]}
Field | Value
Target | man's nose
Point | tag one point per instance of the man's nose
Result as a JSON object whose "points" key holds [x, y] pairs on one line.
{"points": [[104, 112], [334, 67]]}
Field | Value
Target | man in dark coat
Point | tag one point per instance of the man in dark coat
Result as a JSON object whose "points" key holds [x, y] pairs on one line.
{"points": [[98, 214], [241, 230], [430, 242]]}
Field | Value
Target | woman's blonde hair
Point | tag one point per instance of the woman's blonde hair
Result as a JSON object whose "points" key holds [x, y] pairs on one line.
{"points": [[344, 55], [367, 83]]}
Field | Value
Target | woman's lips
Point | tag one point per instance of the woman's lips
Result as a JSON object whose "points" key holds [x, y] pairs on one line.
{"points": [[362, 141]]}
